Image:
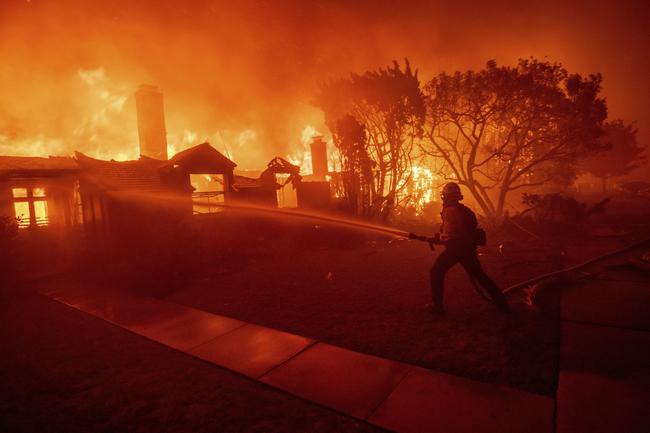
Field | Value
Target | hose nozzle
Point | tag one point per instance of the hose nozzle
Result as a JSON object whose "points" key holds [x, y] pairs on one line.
{"points": [[418, 237], [415, 237]]}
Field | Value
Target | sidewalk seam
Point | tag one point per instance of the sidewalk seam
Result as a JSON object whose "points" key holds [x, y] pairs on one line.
{"points": [[300, 352], [218, 336], [406, 374]]}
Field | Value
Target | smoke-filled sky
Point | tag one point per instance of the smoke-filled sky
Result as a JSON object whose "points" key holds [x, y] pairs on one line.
{"points": [[241, 74]]}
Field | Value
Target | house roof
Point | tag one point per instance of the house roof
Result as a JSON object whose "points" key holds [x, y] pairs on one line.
{"points": [[148, 174], [25, 165], [144, 174], [201, 158], [141, 174]]}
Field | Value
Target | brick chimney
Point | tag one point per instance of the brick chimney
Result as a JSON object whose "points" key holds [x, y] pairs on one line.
{"points": [[319, 158], [151, 122]]}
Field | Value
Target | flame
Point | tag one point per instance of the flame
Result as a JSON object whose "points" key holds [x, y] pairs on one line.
{"points": [[95, 133], [246, 137], [308, 133], [99, 119], [302, 156], [105, 99], [107, 129], [423, 180], [186, 140], [39, 145], [419, 189]]}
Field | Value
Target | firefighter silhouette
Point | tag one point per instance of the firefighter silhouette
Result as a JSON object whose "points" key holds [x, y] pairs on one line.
{"points": [[460, 235]]}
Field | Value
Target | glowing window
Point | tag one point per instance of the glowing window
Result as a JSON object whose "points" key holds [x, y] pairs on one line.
{"points": [[209, 192], [40, 213], [30, 207], [207, 182], [19, 192], [21, 209]]}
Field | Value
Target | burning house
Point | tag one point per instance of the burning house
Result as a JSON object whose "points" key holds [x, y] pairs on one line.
{"points": [[102, 195], [118, 196], [64, 192], [123, 194]]}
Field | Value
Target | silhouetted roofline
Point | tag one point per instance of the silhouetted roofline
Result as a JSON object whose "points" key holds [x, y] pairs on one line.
{"points": [[33, 164], [206, 152], [140, 174]]}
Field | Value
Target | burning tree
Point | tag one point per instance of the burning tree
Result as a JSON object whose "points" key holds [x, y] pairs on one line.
{"points": [[622, 155], [505, 128], [375, 119], [357, 167]]}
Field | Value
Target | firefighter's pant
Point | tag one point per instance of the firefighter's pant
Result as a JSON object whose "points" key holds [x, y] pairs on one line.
{"points": [[469, 261]]}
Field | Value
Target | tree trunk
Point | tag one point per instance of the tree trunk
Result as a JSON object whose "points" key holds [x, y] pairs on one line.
{"points": [[483, 204]]}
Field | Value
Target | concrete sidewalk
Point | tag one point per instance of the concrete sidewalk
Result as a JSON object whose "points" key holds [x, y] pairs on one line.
{"points": [[386, 393], [604, 379]]}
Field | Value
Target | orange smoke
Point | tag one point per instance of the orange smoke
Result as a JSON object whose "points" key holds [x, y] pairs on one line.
{"points": [[241, 74]]}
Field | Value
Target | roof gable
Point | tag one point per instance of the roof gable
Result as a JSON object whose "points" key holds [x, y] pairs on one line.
{"points": [[202, 158]]}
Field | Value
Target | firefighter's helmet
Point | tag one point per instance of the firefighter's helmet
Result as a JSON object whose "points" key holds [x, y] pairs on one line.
{"points": [[451, 191]]}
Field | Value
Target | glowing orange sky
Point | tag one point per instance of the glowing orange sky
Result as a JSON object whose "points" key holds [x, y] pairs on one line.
{"points": [[251, 68]]}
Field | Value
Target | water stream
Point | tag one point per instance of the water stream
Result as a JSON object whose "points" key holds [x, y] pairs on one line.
{"points": [[267, 210]]}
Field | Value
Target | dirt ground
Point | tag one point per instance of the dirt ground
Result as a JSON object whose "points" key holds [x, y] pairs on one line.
{"points": [[372, 298], [64, 371]]}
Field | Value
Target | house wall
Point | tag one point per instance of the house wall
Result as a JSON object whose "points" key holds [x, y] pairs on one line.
{"points": [[258, 195], [43, 249], [62, 205], [314, 195], [112, 217], [6, 201]]}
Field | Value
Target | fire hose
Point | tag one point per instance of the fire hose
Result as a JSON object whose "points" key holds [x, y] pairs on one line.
{"points": [[540, 278], [546, 276]]}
